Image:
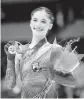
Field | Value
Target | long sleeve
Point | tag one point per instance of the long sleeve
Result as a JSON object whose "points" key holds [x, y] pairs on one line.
{"points": [[10, 77]]}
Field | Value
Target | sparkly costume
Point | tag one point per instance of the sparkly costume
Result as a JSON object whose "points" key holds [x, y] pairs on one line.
{"points": [[36, 70]]}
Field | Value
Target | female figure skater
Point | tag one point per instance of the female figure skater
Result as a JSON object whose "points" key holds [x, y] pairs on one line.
{"points": [[36, 64]]}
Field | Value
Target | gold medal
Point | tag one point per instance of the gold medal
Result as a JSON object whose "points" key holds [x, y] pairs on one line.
{"points": [[12, 49], [16, 48]]}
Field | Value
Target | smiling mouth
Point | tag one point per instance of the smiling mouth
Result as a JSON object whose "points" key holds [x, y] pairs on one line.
{"points": [[38, 29]]}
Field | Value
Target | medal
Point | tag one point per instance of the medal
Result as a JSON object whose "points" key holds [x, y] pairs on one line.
{"points": [[16, 48], [12, 49]]}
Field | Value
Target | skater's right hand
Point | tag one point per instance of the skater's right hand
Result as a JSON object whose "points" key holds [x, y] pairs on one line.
{"points": [[10, 47]]}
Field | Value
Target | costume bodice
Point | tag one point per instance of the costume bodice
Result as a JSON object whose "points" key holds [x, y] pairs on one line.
{"points": [[33, 80]]}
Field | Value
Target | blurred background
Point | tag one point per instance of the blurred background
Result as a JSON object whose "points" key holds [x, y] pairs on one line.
{"points": [[69, 23]]}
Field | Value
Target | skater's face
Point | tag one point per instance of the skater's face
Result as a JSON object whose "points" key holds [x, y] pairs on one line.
{"points": [[40, 23]]}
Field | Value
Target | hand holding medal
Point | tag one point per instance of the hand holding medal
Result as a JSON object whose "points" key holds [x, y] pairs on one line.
{"points": [[12, 48]]}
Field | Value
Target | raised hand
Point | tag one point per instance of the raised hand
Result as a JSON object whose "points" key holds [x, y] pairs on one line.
{"points": [[9, 49]]}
